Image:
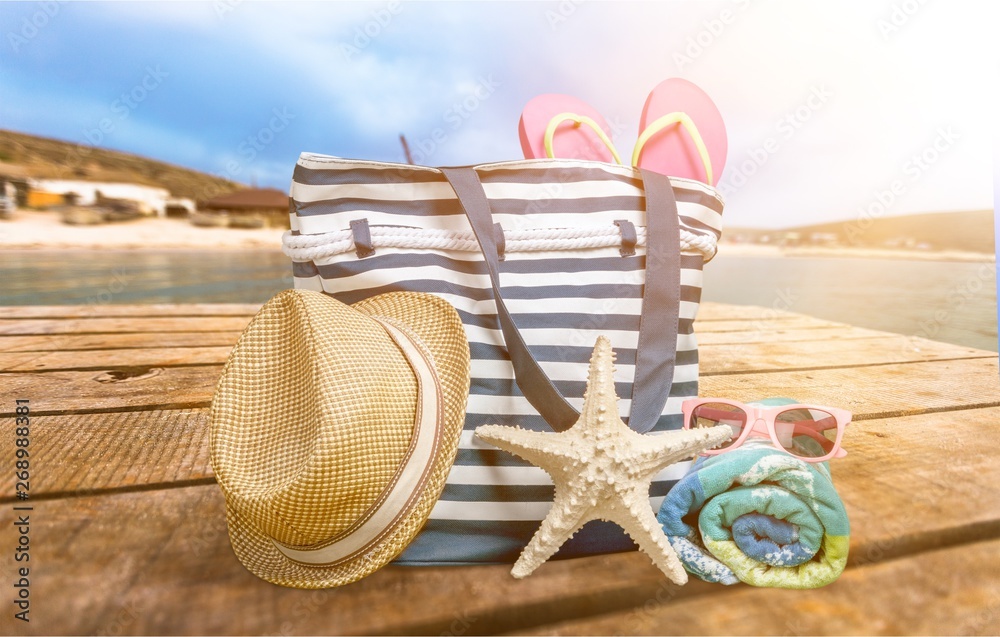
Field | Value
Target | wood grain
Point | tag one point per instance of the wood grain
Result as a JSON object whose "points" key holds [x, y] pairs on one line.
{"points": [[716, 359], [151, 554], [777, 335], [113, 358], [707, 311], [156, 324], [872, 391], [142, 340], [906, 459], [124, 325], [119, 389], [82, 453], [904, 494], [110, 310], [876, 390], [953, 591], [160, 563], [794, 322], [129, 534], [139, 340]]}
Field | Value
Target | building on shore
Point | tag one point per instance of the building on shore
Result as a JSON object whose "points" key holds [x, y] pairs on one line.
{"points": [[148, 200], [267, 204]]}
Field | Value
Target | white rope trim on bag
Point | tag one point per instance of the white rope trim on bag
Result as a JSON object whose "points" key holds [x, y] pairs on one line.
{"points": [[309, 247]]}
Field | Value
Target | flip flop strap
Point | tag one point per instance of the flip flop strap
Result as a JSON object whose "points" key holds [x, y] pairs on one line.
{"points": [[554, 123], [669, 120]]}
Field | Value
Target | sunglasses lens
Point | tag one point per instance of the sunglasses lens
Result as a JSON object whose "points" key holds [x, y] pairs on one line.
{"points": [[809, 433], [714, 414]]}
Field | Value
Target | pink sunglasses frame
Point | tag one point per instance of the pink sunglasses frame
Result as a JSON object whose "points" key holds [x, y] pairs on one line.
{"points": [[766, 415]]}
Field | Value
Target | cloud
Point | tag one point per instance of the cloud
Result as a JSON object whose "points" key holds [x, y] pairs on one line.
{"points": [[356, 75]]}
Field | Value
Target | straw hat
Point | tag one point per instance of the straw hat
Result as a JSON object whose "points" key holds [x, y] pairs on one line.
{"points": [[333, 429]]}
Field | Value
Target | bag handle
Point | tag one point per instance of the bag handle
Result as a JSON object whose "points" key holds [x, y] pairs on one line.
{"points": [[656, 351]]}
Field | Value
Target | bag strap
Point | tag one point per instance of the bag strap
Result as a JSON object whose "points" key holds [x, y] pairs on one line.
{"points": [[656, 352]]}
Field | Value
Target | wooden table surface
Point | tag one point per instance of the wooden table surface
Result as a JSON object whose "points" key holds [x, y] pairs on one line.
{"points": [[128, 535]]}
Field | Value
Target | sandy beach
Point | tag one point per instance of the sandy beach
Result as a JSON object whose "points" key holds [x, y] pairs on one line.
{"points": [[760, 250], [34, 230], [45, 231]]}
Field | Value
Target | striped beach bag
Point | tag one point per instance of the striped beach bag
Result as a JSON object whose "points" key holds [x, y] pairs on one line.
{"points": [[539, 257]]}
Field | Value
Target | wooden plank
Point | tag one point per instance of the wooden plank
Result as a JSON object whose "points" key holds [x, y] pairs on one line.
{"points": [[882, 349], [711, 311], [872, 391], [891, 461], [171, 552], [876, 390], [904, 490], [215, 323], [953, 591], [792, 322], [72, 342], [752, 334], [114, 390], [707, 311], [120, 325], [902, 493], [77, 342], [105, 310], [81, 342], [81, 453], [112, 358], [718, 359], [161, 563]]}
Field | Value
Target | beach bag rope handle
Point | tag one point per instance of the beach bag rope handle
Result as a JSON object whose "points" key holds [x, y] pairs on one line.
{"points": [[656, 350]]}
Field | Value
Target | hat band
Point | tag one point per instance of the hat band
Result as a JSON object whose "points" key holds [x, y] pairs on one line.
{"points": [[405, 488]]}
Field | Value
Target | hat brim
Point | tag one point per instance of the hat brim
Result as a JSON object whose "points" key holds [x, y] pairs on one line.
{"points": [[440, 330]]}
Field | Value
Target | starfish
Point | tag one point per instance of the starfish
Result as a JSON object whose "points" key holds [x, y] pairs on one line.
{"points": [[601, 470]]}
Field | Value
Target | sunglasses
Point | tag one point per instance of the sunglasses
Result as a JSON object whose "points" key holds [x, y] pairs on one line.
{"points": [[810, 433]]}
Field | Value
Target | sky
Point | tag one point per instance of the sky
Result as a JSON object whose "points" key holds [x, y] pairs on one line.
{"points": [[834, 111]]}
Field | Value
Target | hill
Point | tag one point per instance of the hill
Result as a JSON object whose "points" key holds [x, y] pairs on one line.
{"points": [[42, 157], [970, 231]]}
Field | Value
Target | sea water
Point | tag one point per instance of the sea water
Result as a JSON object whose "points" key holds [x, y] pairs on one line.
{"points": [[954, 302]]}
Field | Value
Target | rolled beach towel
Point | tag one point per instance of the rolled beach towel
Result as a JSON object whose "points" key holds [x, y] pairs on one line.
{"points": [[763, 517]]}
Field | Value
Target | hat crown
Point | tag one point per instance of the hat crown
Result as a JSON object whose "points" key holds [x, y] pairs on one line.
{"points": [[323, 430]]}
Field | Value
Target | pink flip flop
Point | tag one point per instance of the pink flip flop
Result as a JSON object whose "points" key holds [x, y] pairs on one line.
{"points": [[563, 126], [681, 133]]}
